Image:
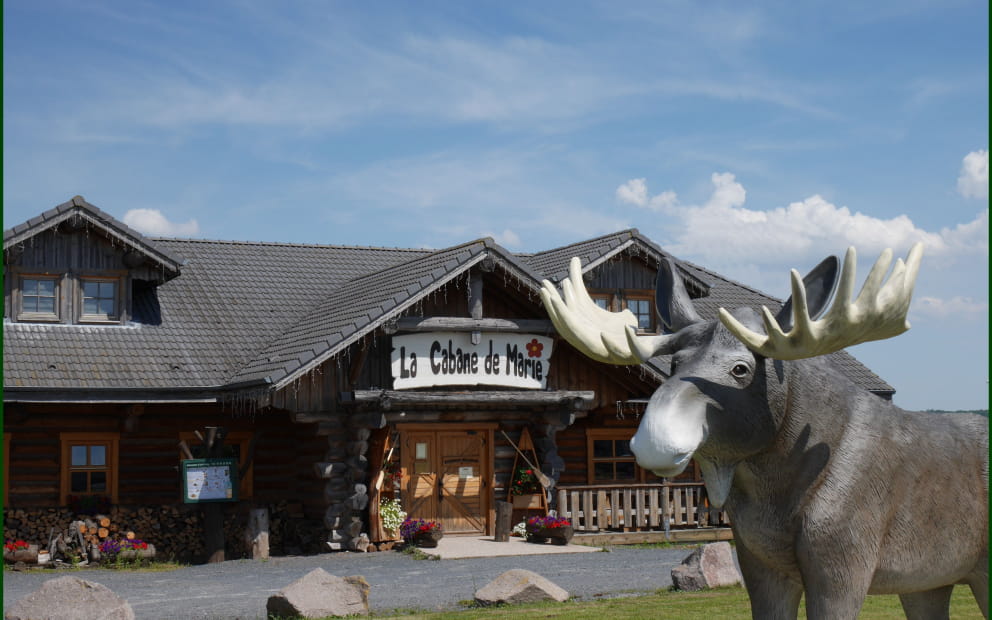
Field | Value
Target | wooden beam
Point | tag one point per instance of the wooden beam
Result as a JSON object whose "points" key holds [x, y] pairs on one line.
{"points": [[578, 400], [464, 324]]}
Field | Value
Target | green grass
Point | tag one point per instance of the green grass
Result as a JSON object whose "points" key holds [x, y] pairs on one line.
{"points": [[724, 603]]}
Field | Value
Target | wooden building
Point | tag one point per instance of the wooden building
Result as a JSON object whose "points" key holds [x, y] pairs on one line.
{"points": [[340, 375]]}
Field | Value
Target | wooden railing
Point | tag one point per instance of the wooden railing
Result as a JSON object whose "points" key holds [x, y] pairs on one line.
{"points": [[638, 507]]}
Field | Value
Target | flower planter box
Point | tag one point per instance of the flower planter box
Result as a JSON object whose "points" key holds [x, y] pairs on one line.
{"points": [[557, 535], [428, 539], [528, 501]]}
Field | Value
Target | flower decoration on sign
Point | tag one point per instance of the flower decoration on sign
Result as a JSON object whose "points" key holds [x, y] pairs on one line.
{"points": [[536, 524], [534, 348], [411, 527], [15, 545], [525, 482]]}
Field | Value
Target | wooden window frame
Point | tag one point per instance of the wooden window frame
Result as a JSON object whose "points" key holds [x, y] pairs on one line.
{"points": [[242, 439], [117, 280], [23, 316], [629, 296], [112, 467], [609, 434]]}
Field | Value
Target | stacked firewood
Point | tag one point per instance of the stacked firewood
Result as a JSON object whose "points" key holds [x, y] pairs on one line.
{"points": [[34, 525]]}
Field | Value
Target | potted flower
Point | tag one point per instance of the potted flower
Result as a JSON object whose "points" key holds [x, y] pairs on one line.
{"points": [[20, 551], [112, 550], [392, 516], [421, 533], [558, 529], [526, 489]]}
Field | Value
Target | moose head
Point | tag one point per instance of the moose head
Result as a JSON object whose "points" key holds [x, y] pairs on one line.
{"points": [[718, 364]]}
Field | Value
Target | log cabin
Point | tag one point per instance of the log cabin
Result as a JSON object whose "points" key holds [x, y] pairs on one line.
{"points": [[333, 376]]}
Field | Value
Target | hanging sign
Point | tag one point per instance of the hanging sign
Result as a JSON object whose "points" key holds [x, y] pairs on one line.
{"points": [[450, 358], [210, 480]]}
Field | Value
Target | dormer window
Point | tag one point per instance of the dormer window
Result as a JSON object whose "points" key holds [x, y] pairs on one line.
{"points": [[100, 300], [70, 298], [39, 298]]}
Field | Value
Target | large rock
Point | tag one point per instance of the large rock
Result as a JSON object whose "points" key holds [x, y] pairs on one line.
{"points": [[519, 586], [319, 594], [709, 566], [71, 598]]}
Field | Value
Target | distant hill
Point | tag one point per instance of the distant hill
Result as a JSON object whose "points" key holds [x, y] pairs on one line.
{"points": [[984, 412]]}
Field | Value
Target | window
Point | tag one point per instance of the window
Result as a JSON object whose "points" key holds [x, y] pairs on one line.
{"points": [[610, 458], [643, 309], [236, 445], [39, 298], [89, 465], [99, 300], [70, 298]]}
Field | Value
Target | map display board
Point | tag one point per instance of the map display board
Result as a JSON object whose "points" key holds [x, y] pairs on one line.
{"points": [[210, 480]]}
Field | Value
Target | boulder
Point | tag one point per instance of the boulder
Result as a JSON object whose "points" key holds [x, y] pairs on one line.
{"points": [[319, 594], [519, 586], [709, 566], [71, 598]]}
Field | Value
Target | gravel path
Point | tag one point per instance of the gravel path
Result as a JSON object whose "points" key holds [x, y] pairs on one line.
{"points": [[239, 589]]}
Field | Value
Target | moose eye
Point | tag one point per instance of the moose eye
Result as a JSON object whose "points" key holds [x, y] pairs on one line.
{"points": [[740, 370]]}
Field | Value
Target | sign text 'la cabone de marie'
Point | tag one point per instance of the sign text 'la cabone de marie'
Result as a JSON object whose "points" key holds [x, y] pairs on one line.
{"points": [[450, 358]]}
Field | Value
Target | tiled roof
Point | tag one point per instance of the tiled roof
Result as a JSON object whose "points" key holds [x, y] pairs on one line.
{"points": [[247, 313]]}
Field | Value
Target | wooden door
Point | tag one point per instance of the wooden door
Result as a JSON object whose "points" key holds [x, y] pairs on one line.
{"points": [[448, 478]]}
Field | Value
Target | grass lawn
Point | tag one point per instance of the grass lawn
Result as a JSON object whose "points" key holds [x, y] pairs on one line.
{"points": [[723, 603]]}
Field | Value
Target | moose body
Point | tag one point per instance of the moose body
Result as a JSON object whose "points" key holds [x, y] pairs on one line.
{"points": [[832, 491]]}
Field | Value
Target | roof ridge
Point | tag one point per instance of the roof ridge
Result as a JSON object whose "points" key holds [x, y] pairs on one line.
{"points": [[290, 244], [630, 231]]}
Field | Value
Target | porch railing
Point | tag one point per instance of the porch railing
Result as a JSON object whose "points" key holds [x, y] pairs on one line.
{"points": [[638, 507]]}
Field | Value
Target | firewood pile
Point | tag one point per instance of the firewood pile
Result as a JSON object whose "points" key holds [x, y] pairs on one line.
{"points": [[175, 530]]}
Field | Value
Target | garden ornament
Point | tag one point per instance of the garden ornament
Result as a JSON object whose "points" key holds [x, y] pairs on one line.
{"points": [[832, 492]]}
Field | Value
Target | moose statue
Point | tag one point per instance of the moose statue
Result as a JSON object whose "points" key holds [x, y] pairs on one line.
{"points": [[831, 491]]}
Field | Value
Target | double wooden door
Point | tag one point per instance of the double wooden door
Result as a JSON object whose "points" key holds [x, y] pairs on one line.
{"points": [[449, 476]]}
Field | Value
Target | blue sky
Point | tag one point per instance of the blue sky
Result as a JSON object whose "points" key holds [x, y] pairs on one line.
{"points": [[750, 138]]}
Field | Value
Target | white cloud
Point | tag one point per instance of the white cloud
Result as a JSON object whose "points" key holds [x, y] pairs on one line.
{"points": [[723, 231], [152, 222], [956, 307], [973, 182], [506, 238]]}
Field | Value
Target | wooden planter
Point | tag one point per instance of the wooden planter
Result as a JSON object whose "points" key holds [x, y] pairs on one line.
{"points": [[428, 539], [557, 535], [532, 501], [28, 556]]}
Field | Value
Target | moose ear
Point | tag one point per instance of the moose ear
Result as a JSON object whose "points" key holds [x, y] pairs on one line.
{"points": [[671, 301], [820, 284]]}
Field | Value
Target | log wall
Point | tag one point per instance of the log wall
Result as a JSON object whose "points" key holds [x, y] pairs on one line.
{"points": [[148, 455]]}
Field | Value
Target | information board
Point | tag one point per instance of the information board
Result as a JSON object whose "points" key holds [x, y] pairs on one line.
{"points": [[210, 480]]}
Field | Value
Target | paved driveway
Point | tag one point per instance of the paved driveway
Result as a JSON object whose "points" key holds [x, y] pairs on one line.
{"points": [[239, 589]]}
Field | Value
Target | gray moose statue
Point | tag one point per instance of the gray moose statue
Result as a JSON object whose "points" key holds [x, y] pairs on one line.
{"points": [[831, 491]]}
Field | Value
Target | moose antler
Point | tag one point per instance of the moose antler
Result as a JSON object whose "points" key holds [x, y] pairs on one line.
{"points": [[602, 335], [879, 312]]}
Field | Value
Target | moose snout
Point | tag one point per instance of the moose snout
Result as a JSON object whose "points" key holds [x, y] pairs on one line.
{"points": [[660, 456]]}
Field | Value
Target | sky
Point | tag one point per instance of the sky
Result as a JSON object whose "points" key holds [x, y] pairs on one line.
{"points": [[749, 138]]}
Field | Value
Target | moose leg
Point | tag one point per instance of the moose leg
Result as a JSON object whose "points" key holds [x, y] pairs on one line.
{"points": [[773, 595], [835, 586], [980, 588], [930, 605]]}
